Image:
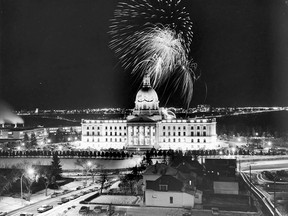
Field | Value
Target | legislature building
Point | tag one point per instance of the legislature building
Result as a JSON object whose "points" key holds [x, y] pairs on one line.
{"points": [[149, 126]]}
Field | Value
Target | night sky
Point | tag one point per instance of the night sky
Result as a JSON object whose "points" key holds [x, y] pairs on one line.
{"points": [[55, 54]]}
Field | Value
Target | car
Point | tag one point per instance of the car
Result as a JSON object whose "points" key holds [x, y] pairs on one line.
{"points": [[55, 194], [75, 196], [84, 210], [64, 199], [215, 211], [26, 214], [44, 208], [3, 213], [79, 187]]}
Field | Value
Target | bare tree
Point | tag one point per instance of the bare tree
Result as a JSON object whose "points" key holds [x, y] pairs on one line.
{"points": [[89, 166]]}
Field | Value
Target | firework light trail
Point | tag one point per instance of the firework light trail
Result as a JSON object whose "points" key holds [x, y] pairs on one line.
{"points": [[155, 36]]}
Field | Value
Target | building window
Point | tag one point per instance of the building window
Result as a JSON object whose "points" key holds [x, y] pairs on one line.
{"points": [[169, 133], [204, 133], [179, 140], [115, 128], [173, 133], [171, 200], [110, 133], [204, 140], [198, 133], [173, 127], [92, 128], [192, 140], [174, 140], [106, 133], [98, 128], [115, 133], [106, 128], [184, 133], [87, 133], [198, 140], [168, 127], [179, 133], [179, 128], [87, 128], [192, 133], [163, 127], [163, 187], [163, 133], [184, 128], [124, 127], [198, 127], [93, 133], [192, 128], [110, 127]]}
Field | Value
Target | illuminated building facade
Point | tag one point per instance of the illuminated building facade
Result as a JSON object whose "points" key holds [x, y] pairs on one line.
{"points": [[149, 126]]}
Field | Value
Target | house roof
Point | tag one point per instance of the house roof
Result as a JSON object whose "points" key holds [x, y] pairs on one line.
{"points": [[173, 183]]}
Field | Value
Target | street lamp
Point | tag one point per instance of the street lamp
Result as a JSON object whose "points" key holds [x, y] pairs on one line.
{"points": [[30, 171]]}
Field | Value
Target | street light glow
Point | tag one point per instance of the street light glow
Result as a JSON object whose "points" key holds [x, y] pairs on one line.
{"points": [[89, 163], [30, 171]]}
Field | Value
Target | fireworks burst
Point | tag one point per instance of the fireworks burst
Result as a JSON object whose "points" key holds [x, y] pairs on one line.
{"points": [[154, 36]]}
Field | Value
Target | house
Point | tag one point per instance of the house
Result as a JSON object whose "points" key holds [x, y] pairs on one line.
{"points": [[168, 186], [223, 174]]}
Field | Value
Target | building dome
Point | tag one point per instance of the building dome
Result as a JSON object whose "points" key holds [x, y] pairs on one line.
{"points": [[146, 98]]}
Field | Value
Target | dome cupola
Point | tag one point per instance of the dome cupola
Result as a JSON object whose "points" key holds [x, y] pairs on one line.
{"points": [[146, 98]]}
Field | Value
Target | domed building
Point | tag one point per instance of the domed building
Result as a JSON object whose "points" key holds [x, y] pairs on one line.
{"points": [[149, 127], [146, 102]]}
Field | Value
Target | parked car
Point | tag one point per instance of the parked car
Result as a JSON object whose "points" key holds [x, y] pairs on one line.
{"points": [[26, 214], [44, 208], [3, 213], [64, 199], [215, 211], [84, 210], [79, 187]]}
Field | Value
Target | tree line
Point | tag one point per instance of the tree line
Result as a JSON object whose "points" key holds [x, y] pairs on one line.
{"points": [[81, 154]]}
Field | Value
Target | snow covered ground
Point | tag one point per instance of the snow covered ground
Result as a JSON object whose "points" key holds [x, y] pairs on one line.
{"points": [[115, 199], [69, 163], [9, 203]]}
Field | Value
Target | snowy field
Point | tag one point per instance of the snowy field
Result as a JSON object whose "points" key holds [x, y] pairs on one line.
{"points": [[115, 199], [69, 163]]}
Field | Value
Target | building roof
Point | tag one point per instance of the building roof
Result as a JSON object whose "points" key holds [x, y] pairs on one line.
{"points": [[173, 183], [141, 119]]}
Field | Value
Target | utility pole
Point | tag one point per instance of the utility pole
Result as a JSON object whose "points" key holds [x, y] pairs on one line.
{"points": [[250, 173]]}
